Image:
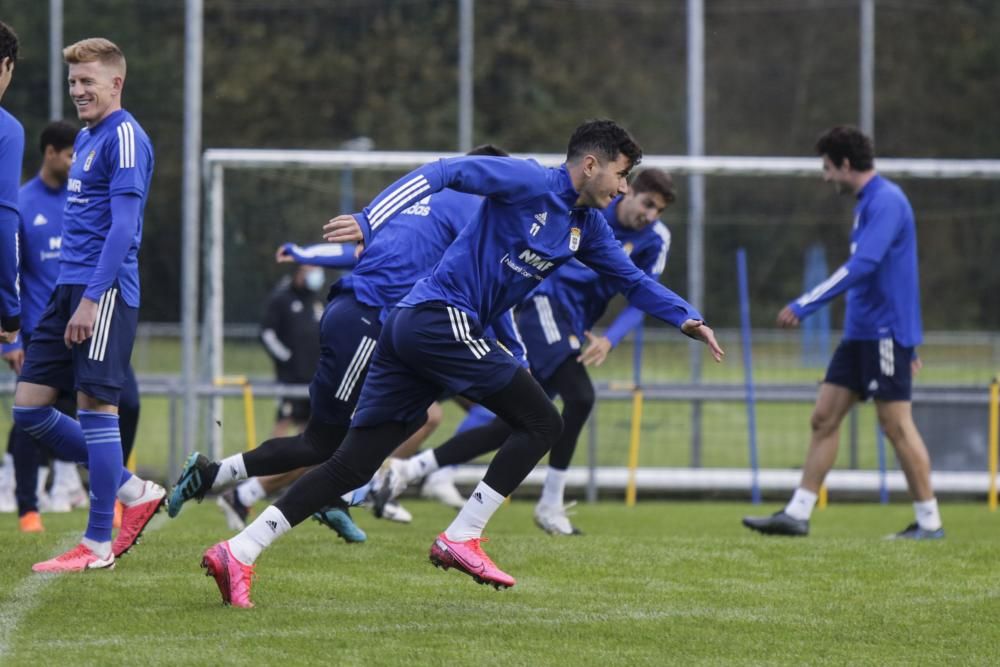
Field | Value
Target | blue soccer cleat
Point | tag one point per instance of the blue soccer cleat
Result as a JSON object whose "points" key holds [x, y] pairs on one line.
{"points": [[339, 521], [195, 481]]}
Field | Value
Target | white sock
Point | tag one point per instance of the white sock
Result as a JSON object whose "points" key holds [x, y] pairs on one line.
{"points": [[554, 487], [62, 474], [421, 465], [801, 505], [102, 549], [472, 518], [250, 491], [269, 526], [231, 470], [927, 513], [131, 490], [445, 475]]}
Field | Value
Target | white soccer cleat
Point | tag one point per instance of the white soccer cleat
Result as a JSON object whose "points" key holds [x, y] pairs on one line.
{"points": [[554, 520], [395, 512], [8, 502], [442, 489]]}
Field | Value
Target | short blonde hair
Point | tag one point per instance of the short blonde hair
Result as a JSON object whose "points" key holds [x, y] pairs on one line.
{"points": [[95, 49]]}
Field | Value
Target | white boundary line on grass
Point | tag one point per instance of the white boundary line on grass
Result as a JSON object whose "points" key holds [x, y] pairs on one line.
{"points": [[27, 596]]}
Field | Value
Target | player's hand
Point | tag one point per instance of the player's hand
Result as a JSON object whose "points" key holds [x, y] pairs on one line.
{"points": [[916, 364], [358, 249], [596, 351], [15, 359], [283, 256], [787, 319], [701, 331], [81, 325], [8, 336], [342, 229]]}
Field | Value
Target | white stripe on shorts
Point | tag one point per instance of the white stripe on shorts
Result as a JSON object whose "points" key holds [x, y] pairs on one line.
{"points": [[102, 325], [460, 328], [886, 357], [358, 364]]}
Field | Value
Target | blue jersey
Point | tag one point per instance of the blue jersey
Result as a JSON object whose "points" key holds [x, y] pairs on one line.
{"points": [[582, 293], [41, 238], [113, 158], [11, 157], [527, 227], [880, 278], [406, 252]]}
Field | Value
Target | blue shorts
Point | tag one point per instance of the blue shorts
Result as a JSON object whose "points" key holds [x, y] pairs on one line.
{"points": [[96, 366], [348, 331], [425, 353], [878, 369], [548, 336]]}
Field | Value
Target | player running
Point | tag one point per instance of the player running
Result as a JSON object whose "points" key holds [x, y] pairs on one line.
{"points": [[532, 220], [553, 322]]}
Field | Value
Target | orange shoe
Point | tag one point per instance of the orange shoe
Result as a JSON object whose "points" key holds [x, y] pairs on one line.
{"points": [[118, 515], [31, 522]]}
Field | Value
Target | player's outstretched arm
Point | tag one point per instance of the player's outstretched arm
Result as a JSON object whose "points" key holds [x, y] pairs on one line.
{"points": [[698, 330], [332, 255]]}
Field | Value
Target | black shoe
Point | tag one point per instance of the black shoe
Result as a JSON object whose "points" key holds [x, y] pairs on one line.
{"points": [[915, 532], [235, 511], [778, 523]]}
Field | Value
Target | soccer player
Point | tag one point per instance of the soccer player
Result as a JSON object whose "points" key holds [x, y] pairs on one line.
{"points": [[533, 219], [41, 201], [882, 328], [11, 156], [350, 325], [553, 321], [84, 340]]}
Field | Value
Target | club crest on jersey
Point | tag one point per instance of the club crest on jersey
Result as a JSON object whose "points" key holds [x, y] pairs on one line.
{"points": [[628, 248], [574, 239], [90, 160]]}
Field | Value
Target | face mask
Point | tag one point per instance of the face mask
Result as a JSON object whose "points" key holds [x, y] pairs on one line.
{"points": [[315, 280]]}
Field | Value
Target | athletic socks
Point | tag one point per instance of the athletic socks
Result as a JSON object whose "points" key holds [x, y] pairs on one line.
{"points": [[421, 465], [554, 487], [232, 469], [269, 526], [250, 492], [104, 449], [101, 549], [58, 432], [801, 505], [472, 518], [927, 514], [131, 490]]}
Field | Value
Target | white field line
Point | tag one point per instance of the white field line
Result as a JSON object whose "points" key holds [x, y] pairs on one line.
{"points": [[28, 595]]}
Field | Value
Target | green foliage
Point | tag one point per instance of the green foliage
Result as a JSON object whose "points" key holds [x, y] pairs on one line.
{"points": [[311, 74]]}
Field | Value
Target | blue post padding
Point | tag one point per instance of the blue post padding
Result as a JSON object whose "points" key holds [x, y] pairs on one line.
{"points": [[744, 290], [815, 340], [883, 486]]}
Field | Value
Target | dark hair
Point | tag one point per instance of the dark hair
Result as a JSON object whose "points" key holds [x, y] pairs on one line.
{"points": [[655, 180], [846, 141], [488, 149], [59, 134], [604, 139], [8, 42]]}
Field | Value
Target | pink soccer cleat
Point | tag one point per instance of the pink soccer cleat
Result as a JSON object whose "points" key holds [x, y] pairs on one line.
{"points": [[469, 557], [136, 516], [231, 576], [77, 559]]}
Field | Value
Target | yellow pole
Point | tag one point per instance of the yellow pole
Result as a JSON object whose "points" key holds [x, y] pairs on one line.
{"points": [[822, 499], [248, 404], [633, 450], [994, 441], [248, 414]]}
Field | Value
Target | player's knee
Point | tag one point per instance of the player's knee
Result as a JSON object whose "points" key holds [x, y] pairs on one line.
{"points": [[549, 424], [823, 422], [582, 400]]}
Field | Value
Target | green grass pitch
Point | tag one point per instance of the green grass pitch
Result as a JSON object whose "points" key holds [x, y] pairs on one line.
{"points": [[664, 583]]}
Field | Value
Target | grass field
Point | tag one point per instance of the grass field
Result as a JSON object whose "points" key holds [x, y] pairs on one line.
{"points": [[658, 584]]}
